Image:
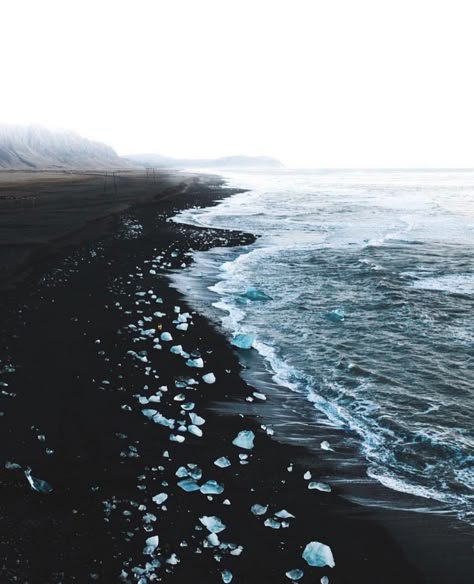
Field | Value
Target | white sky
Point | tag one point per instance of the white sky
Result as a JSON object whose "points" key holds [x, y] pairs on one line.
{"points": [[334, 83]]}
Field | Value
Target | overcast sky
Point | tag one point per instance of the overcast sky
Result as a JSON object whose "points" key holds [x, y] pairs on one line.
{"points": [[334, 83]]}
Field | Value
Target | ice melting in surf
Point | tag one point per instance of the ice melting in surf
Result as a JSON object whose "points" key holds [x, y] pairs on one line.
{"points": [[222, 462], [243, 341], [294, 574], [212, 488], [38, 485], [318, 554], [188, 485], [259, 509], [227, 576], [326, 446], [244, 439], [319, 487], [209, 378], [336, 315], [256, 295], [212, 523]]}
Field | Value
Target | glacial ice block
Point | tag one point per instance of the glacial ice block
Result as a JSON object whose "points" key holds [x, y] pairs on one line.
{"points": [[38, 485], [259, 509], [151, 544], [295, 575], [192, 429], [166, 337], [196, 420], [326, 446], [256, 295], [222, 462], [227, 576], [243, 341], [244, 439], [160, 498], [212, 488], [212, 523], [315, 485], [209, 378], [318, 554], [188, 485], [197, 362], [336, 315]]}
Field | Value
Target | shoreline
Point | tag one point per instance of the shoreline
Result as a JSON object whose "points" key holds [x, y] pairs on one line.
{"points": [[107, 461]]}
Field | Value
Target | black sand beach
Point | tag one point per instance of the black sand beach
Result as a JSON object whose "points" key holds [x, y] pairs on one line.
{"points": [[84, 294]]}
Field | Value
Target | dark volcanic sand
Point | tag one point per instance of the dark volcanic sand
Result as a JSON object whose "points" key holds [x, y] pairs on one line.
{"points": [[74, 391]]}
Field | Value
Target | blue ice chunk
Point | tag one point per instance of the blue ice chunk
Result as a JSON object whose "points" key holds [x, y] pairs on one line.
{"points": [[209, 378], [314, 485], [151, 544], [166, 337], [38, 485], [295, 575], [318, 554], [256, 295], [212, 488], [197, 362], [192, 429], [243, 340], [182, 472], [160, 498], [259, 509], [244, 439], [176, 349], [212, 523], [227, 576], [196, 420], [160, 419], [188, 485], [222, 462], [336, 315], [284, 514], [272, 523], [326, 446]]}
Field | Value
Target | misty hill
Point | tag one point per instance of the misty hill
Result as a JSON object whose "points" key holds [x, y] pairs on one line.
{"points": [[35, 147], [226, 162]]}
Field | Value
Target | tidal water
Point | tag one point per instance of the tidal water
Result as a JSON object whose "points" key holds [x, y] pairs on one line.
{"points": [[366, 308]]}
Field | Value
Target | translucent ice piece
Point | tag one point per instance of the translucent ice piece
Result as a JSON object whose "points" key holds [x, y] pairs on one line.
{"points": [[209, 378], [188, 485], [222, 462], [227, 576], [212, 488], [166, 337], [38, 485], [326, 446], [183, 326], [196, 420], [151, 544], [272, 523], [212, 523], [336, 315], [192, 429], [177, 438], [259, 509], [176, 349], [324, 580], [319, 486], [256, 295], [197, 362], [243, 341], [294, 574], [284, 514], [160, 498], [318, 554], [244, 439], [213, 539], [160, 419]]}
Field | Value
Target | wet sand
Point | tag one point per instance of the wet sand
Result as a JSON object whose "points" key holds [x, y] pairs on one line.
{"points": [[79, 365]]}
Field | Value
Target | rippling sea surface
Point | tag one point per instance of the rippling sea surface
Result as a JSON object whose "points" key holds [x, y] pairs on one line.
{"points": [[369, 309]]}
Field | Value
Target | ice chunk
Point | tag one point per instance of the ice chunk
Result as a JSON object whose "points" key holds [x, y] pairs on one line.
{"points": [[166, 337], [188, 406], [192, 429], [222, 462], [319, 486], [244, 439], [324, 580], [177, 438], [151, 544], [213, 539], [243, 341], [326, 446], [259, 509], [256, 295], [188, 485], [149, 413], [284, 514], [209, 378], [197, 362], [260, 396], [336, 315], [212, 523], [12, 466], [38, 485], [183, 326], [307, 475], [272, 523], [227, 576], [160, 419], [176, 349], [212, 488], [197, 420], [160, 498], [295, 575], [318, 554], [182, 472]]}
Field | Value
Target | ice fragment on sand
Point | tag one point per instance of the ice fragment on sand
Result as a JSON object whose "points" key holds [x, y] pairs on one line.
{"points": [[38, 484], [160, 419], [212, 523], [243, 341], [209, 378], [222, 462], [192, 429], [183, 326], [177, 438], [336, 315], [182, 472], [212, 488], [12, 466], [244, 439], [149, 413], [256, 294], [151, 544], [197, 420], [176, 349], [227, 576], [260, 396], [326, 446], [307, 475], [259, 509], [284, 514], [197, 362], [160, 498], [324, 580], [272, 523], [166, 337], [318, 554], [294, 574], [188, 485], [319, 487]]}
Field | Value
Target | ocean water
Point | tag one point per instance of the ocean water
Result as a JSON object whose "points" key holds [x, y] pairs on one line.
{"points": [[369, 309]]}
